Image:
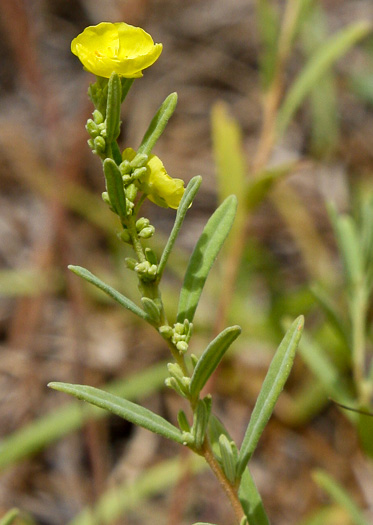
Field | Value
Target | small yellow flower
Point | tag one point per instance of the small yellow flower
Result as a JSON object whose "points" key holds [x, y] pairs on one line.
{"points": [[118, 47], [158, 186]]}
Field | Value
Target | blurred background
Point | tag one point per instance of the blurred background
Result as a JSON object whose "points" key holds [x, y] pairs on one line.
{"points": [[56, 458]]}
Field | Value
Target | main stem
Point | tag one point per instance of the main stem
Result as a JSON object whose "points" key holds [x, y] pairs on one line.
{"points": [[230, 491]]}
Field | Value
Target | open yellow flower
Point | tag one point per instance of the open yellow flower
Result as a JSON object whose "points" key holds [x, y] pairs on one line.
{"points": [[158, 186], [118, 47]]}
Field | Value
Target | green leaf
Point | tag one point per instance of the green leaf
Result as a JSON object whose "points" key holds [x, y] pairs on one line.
{"points": [[114, 99], [248, 493], [349, 247], [316, 67], [251, 501], [61, 421], [273, 384], [158, 124], [325, 370], [9, 517], [365, 430], [151, 308], [118, 297], [201, 421], [114, 186], [186, 201], [126, 84], [211, 357], [132, 412], [340, 496], [203, 257]]}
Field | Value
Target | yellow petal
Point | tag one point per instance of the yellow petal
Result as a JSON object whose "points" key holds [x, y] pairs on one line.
{"points": [[118, 47], [160, 188]]}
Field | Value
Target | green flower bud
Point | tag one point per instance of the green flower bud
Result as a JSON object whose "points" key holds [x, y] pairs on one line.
{"points": [[100, 144], [139, 172], [92, 128], [146, 233], [98, 117], [125, 167], [142, 223], [130, 263], [105, 198], [166, 331], [182, 346], [139, 161], [131, 192]]}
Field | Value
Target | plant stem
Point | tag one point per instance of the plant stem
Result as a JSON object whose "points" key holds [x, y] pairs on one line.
{"points": [[230, 491], [137, 246], [358, 309]]}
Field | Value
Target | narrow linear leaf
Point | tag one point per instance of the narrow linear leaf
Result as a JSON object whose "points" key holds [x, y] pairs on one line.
{"points": [[9, 517], [329, 375], [273, 384], [211, 357], [114, 99], [126, 84], [340, 496], [128, 410], [187, 199], [158, 124], [38, 434], [317, 66], [118, 297], [114, 186], [248, 493], [349, 247], [203, 257], [251, 501]]}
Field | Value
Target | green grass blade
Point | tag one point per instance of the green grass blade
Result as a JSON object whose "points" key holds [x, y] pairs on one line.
{"points": [[61, 421], [211, 357], [112, 505], [9, 517], [114, 294], [269, 27], [203, 257], [323, 96], [251, 501], [187, 199], [158, 124], [340, 496], [316, 67], [273, 384], [128, 410]]}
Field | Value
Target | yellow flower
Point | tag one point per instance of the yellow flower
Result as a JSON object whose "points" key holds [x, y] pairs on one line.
{"points": [[158, 186], [118, 47]]}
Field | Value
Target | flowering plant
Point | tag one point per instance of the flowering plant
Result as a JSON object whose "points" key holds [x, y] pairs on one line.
{"points": [[117, 53]]}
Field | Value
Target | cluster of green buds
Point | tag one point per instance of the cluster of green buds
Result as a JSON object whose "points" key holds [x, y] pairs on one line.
{"points": [[179, 334], [196, 433], [96, 128]]}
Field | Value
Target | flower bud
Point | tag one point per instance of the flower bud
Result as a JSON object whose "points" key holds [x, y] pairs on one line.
{"points": [[92, 128], [142, 223], [146, 233], [98, 117], [100, 144]]}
